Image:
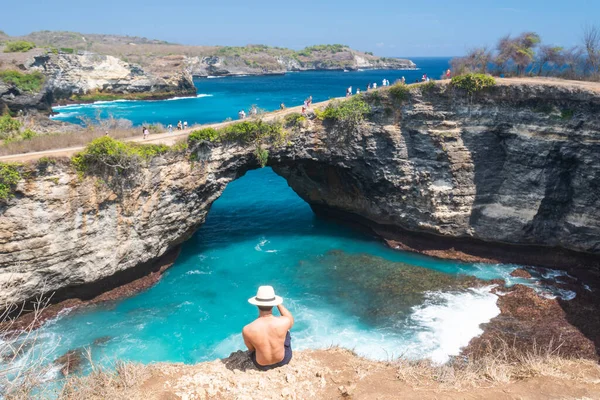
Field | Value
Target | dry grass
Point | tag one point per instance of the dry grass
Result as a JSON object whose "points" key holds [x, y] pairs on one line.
{"points": [[104, 383], [504, 365], [24, 365]]}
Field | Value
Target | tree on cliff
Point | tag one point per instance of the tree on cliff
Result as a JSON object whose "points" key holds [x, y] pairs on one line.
{"points": [[477, 60], [591, 44], [552, 55], [520, 50]]}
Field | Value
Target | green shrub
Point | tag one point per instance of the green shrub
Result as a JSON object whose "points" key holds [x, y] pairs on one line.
{"points": [[107, 154], [67, 50], [473, 82], [399, 92], [9, 177], [28, 134], [31, 82], [8, 125], [427, 86], [352, 110], [19, 46], [262, 156], [209, 134], [294, 120], [328, 48]]}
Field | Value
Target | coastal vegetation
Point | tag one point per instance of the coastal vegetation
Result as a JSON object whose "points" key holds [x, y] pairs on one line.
{"points": [[25, 82], [257, 132], [18, 46], [326, 48], [106, 154], [400, 92], [244, 132], [525, 54], [100, 96], [473, 83], [350, 112], [294, 120], [9, 177]]}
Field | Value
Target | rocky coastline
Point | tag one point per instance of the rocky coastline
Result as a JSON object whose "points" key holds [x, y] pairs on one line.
{"points": [[410, 173], [414, 170], [79, 68]]}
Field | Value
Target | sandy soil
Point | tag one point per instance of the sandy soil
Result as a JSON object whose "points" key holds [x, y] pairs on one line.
{"points": [[339, 374]]}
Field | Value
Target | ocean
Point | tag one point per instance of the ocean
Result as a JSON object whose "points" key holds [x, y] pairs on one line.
{"points": [[222, 98], [343, 286]]}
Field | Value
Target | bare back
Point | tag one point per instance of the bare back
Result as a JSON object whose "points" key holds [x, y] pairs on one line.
{"points": [[266, 336]]}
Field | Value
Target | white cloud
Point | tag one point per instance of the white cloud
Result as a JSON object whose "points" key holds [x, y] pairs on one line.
{"points": [[380, 44]]}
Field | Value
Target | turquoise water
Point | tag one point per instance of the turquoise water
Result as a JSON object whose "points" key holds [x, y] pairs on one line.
{"points": [[222, 98], [343, 286]]}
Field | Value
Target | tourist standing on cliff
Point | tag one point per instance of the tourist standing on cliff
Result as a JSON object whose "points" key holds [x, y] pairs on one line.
{"points": [[282, 106], [309, 104], [268, 337], [242, 114], [184, 124], [179, 125], [146, 133], [357, 90], [170, 128], [448, 73]]}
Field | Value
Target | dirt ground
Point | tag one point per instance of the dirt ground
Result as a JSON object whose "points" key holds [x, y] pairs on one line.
{"points": [[339, 374]]}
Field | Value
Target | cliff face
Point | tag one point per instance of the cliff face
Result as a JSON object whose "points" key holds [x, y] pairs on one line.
{"points": [[88, 77], [265, 63], [73, 75], [518, 164]]}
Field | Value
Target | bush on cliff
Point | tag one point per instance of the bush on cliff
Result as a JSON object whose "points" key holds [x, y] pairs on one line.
{"points": [[473, 83], [8, 126], [294, 120], [400, 92], [31, 82], [106, 154], [257, 132], [9, 177], [18, 46], [348, 112], [244, 132]]}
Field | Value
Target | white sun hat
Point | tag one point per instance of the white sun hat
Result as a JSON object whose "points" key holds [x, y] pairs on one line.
{"points": [[265, 296]]}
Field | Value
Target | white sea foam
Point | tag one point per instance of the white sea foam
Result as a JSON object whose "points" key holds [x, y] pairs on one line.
{"points": [[198, 272], [188, 97], [260, 245], [450, 320], [437, 329]]}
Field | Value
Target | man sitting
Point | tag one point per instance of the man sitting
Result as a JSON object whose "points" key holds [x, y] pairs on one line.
{"points": [[268, 337]]}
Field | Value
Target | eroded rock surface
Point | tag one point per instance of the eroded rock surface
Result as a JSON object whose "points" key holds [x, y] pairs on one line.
{"points": [[516, 165]]}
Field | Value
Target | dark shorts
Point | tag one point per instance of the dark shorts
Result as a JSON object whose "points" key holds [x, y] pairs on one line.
{"points": [[286, 358]]}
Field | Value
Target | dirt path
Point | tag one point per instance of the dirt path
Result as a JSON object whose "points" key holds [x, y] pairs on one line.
{"points": [[171, 138], [160, 138]]}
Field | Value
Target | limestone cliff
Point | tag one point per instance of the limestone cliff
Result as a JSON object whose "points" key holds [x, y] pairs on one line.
{"points": [[515, 165], [267, 63], [88, 77]]}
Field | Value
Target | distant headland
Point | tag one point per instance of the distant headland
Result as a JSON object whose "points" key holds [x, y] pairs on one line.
{"points": [[65, 67]]}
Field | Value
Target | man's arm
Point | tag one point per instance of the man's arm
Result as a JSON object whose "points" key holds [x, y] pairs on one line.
{"points": [[247, 340], [286, 313]]}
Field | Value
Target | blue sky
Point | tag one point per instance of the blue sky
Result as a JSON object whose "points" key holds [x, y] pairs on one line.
{"points": [[388, 28]]}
